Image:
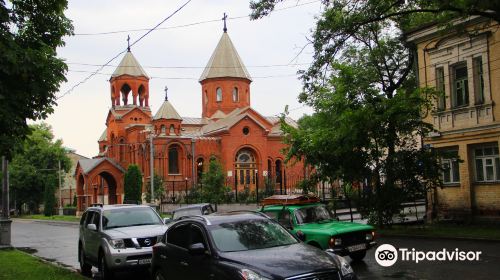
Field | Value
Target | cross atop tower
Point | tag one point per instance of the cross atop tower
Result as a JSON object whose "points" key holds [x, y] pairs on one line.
{"points": [[224, 18], [128, 42], [166, 93]]}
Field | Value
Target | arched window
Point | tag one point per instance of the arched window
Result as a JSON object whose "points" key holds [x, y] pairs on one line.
{"points": [[172, 129], [218, 93], [199, 169], [236, 97], [163, 129], [278, 171], [173, 159], [125, 90]]}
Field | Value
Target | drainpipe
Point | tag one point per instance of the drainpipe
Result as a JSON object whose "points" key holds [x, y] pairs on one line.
{"points": [[193, 161]]}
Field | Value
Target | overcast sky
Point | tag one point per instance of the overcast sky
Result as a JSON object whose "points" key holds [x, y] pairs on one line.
{"points": [[175, 57]]}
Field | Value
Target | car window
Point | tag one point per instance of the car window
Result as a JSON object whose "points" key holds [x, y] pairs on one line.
{"points": [[90, 216], [82, 220], [129, 216], [186, 212], [179, 236], [197, 235], [272, 214], [250, 235], [313, 214], [207, 210], [96, 220], [284, 217]]}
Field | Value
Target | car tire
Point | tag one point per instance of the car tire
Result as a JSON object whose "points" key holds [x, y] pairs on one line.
{"points": [[106, 273], [159, 275], [85, 268], [358, 256]]}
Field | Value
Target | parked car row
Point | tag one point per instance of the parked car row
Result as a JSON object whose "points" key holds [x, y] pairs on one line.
{"points": [[291, 237]]}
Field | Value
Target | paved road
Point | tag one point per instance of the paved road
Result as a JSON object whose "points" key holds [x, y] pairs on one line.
{"points": [[59, 243]]}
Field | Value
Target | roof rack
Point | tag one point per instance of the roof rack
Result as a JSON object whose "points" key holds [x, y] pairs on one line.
{"points": [[199, 217], [96, 205], [292, 199]]}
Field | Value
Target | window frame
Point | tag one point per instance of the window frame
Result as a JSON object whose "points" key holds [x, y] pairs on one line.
{"points": [[236, 95], [483, 158], [478, 74], [440, 87], [452, 163], [218, 94], [464, 85], [177, 170]]}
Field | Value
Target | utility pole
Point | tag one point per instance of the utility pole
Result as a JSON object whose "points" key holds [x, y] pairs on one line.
{"points": [[5, 222], [152, 172], [61, 211]]}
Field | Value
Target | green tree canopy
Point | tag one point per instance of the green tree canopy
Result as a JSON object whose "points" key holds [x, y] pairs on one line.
{"points": [[214, 182], [34, 166], [30, 72], [133, 184]]}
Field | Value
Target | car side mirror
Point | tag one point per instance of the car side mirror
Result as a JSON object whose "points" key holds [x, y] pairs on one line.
{"points": [[301, 236], [92, 227], [196, 249], [167, 220]]}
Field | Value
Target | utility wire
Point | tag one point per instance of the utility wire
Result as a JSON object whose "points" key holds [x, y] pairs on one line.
{"points": [[120, 53]]}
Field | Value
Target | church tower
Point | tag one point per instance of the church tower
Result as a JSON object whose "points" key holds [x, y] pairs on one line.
{"points": [[225, 82], [129, 83]]}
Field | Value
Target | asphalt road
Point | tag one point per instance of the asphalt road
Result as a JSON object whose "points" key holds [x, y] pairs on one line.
{"points": [[58, 242]]}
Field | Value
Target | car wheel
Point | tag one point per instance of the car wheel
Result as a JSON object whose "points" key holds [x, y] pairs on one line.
{"points": [[85, 268], [159, 275], [357, 256], [106, 274]]}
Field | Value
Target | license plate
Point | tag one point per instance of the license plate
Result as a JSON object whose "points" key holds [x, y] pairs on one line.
{"points": [[145, 261], [357, 247]]}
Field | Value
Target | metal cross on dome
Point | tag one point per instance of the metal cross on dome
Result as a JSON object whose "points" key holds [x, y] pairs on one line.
{"points": [[166, 93], [128, 42], [224, 19]]}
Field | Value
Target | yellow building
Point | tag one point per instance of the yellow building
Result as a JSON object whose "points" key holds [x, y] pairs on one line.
{"points": [[464, 65]]}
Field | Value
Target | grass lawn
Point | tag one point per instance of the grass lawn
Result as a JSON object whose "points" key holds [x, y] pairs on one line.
{"points": [[19, 265], [51, 218], [445, 230]]}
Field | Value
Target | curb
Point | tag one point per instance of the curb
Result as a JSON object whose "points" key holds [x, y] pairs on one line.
{"points": [[441, 237], [65, 223]]}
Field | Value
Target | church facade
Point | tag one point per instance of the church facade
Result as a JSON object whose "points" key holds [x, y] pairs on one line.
{"points": [[246, 143]]}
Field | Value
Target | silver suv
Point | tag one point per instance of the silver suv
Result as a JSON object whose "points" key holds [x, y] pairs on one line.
{"points": [[117, 237]]}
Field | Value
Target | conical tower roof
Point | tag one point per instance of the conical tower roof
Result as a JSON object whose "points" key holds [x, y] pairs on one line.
{"points": [[129, 66], [225, 62], [167, 111]]}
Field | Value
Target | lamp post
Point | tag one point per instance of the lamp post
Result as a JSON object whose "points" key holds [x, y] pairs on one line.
{"points": [[151, 163]]}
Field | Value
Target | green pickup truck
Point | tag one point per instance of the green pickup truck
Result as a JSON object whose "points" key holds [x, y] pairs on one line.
{"points": [[314, 224]]}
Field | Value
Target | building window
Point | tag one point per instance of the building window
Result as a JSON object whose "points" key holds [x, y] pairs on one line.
{"points": [[236, 97], [173, 160], [172, 129], [478, 80], [441, 104], [487, 163], [460, 85], [163, 129], [450, 173], [218, 94], [246, 130]]}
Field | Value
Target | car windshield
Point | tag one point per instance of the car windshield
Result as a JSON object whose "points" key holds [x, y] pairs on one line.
{"points": [[250, 235], [313, 214], [129, 217]]}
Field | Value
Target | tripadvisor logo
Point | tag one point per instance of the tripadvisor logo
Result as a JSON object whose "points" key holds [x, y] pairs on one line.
{"points": [[387, 255]]}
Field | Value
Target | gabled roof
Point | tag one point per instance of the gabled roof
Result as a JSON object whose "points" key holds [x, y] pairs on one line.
{"points": [[231, 119], [88, 165], [129, 66], [104, 136], [167, 111], [194, 121], [225, 62]]}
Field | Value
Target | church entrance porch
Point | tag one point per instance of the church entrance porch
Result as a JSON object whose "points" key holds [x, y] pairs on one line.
{"points": [[246, 172]]}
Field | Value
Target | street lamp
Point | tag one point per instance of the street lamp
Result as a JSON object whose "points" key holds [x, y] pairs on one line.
{"points": [[151, 159]]}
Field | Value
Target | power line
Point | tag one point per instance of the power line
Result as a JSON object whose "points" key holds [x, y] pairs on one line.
{"points": [[186, 25], [189, 67], [109, 61]]}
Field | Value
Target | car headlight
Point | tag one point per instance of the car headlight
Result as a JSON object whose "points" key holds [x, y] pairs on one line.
{"points": [[117, 243], [248, 274], [334, 241], [370, 236], [345, 267]]}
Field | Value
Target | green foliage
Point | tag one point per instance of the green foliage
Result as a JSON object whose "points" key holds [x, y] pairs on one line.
{"points": [[214, 183], [307, 186], [75, 201], [49, 201], [159, 189], [269, 186], [133, 184], [30, 72], [34, 166]]}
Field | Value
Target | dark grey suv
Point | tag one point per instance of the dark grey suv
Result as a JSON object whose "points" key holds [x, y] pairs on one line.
{"points": [[117, 237]]}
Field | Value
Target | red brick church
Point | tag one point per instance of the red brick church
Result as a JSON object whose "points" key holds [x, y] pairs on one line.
{"points": [[247, 143]]}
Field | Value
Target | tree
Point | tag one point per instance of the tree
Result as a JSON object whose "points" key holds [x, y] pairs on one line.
{"points": [[34, 166], [158, 189], [367, 123], [214, 183], [49, 200], [30, 72], [133, 184]]}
